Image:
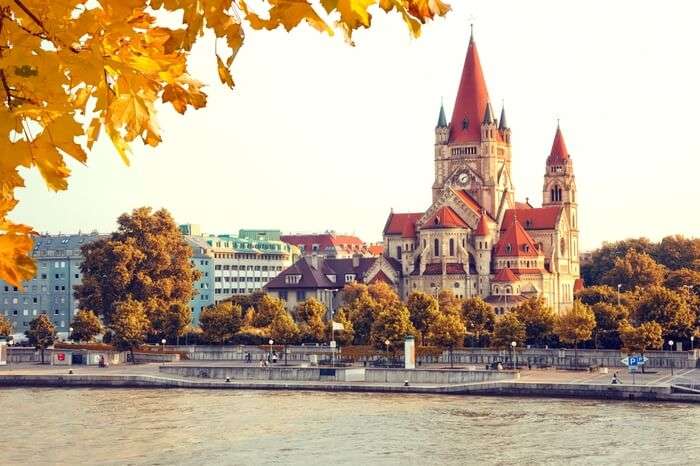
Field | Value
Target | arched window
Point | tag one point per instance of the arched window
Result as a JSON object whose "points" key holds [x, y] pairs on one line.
{"points": [[496, 290], [508, 248], [436, 247], [398, 252], [562, 246], [452, 247], [507, 290]]}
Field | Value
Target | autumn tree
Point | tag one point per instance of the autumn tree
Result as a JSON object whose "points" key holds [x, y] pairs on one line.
{"points": [[284, 331], [5, 326], [392, 323], [145, 260], [345, 336], [633, 270], [508, 329], [423, 309], [129, 324], [575, 325], [538, 319], [352, 291], [479, 318], [683, 279], [86, 326], [383, 294], [310, 315], [597, 294], [72, 69], [668, 309], [361, 309], [639, 339], [41, 333], [446, 330], [678, 252], [171, 323], [448, 302], [220, 323], [608, 318], [267, 310], [603, 258]]}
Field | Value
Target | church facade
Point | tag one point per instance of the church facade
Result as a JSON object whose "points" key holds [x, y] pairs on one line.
{"points": [[475, 239]]}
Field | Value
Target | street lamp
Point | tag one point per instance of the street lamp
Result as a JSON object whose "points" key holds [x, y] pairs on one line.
{"points": [[387, 343], [269, 356], [513, 345], [163, 342], [70, 332], [692, 339], [619, 285], [670, 347]]}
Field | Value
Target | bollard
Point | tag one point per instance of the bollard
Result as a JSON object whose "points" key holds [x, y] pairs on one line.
{"points": [[228, 379], [405, 383]]}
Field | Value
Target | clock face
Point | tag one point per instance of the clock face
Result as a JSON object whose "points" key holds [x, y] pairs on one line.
{"points": [[464, 178]]}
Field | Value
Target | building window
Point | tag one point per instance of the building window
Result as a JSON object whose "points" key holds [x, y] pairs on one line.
{"points": [[301, 295], [349, 277], [283, 295], [436, 247], [398, 252], [292, 279], [452, 247]]}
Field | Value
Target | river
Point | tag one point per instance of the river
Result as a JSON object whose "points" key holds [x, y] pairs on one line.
{"points": [[120, 426]]}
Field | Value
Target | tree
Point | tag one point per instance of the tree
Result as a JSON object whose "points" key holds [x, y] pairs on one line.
{"points": [[145, 260], [392, 323], [310, 315], [71, 69], [575, 325], [448, 302], [639, 339], [508, 329], [353, 291], [678, 252], [266, 311], [633, 270], [608, 318], [603, 259], [362, 312], [446, 330], [597, 294], [170, 323], [221, 322], [41, 333], [284, 331], [423, 309], [383, 294], [683, 279], [538, 319], [86, 326], [668, 309], [345, 336], [479, 318], [129, 324], [5, 326]]}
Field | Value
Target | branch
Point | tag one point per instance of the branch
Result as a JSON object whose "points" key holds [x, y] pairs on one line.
{"points": [[40, 23], [6, 87]]}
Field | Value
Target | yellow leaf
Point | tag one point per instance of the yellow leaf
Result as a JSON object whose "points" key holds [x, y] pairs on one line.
{"points": [[224, 73], [93, 132], [15, 263]]}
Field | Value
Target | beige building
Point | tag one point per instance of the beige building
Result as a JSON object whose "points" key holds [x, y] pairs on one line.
{"points": [[475, 239]]}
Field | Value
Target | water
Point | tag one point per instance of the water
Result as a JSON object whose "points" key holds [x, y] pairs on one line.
{"points": [[119, 426]]}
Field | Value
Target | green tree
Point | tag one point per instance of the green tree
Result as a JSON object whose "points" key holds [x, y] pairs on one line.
{"points": [[392, 323], [172, 322], [575, 326], [678, 252], [667, 308], [41, 333], [145, 260], [345, 336], [538, 319], [221, 322], [5, 326], [310, 315], [446, 330], [423, 309], [608, 318], [129, 325], [603, 259], [508, 329], [283, 330], [479, 318], [267, 310], [635, 269], [86, 326]]}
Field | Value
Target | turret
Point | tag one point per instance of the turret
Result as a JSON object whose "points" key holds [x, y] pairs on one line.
{"points": [[442, 130], [559, 182]]}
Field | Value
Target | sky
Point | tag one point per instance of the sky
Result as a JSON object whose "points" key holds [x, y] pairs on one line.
{"points": [[318, 135]]}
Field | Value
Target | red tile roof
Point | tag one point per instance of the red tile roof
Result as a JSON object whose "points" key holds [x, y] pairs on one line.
{"points": [[469, 201], [534, 218], [559, 154], [516, 242], [505, 276], [472, 98], [445, 217], [376, 249], [482, 229], [523, 205], [402, 224], [436, 269]]}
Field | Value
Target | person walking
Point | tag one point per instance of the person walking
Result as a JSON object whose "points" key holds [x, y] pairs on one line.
{"points": [[615, 379]]}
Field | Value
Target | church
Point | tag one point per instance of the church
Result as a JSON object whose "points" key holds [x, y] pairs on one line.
{"points": [[476, 239]]}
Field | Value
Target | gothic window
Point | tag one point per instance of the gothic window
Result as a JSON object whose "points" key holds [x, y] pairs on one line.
{"points": [[496, 290], [562, 246], [465, 123], [452, 247], [436, 247], [398, 252], [508, 248], [528, 223]]}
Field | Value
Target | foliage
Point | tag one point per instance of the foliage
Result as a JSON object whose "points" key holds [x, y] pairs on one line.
{"points": [[41, 333], [608, 318], [448, 302], [171, 322], [267, 310], [575, 325], [219, 323], [446, 330], [73, 68], [635, 269], [310, 315], [248, 301], [86, 326], [638, 339], [129, 324], [383, 294], [249, 317], [343, 337], [423, 308], [538, 319], [361, 309], [352, 292], [683, 279], [392, 323], [678, 252], [506, 330], [479, 318], [283, 329], [145, 260], [603, 258], [5, 326], [667, 308], [251, 336], [597, 294]]}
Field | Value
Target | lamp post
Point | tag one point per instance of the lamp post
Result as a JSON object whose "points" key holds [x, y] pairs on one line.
{"points": [[387, 343], [70, 332], [619, 285], [692, 345], [163, 342], [670, 347], [513, 345], [269, 356]]}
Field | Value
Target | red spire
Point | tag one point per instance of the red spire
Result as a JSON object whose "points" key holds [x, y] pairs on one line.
{"points": [[515, 241], [559, 154], [472, 99], [445, 217], [482, 228]]}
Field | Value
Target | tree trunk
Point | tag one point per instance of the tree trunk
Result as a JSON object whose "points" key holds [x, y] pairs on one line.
{"points": [[42, 355], [452, 364], [133, 359], [285, 355]]}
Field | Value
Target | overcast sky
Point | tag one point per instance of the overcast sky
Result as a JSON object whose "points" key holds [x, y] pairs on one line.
{"points": [[319, 135]]}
